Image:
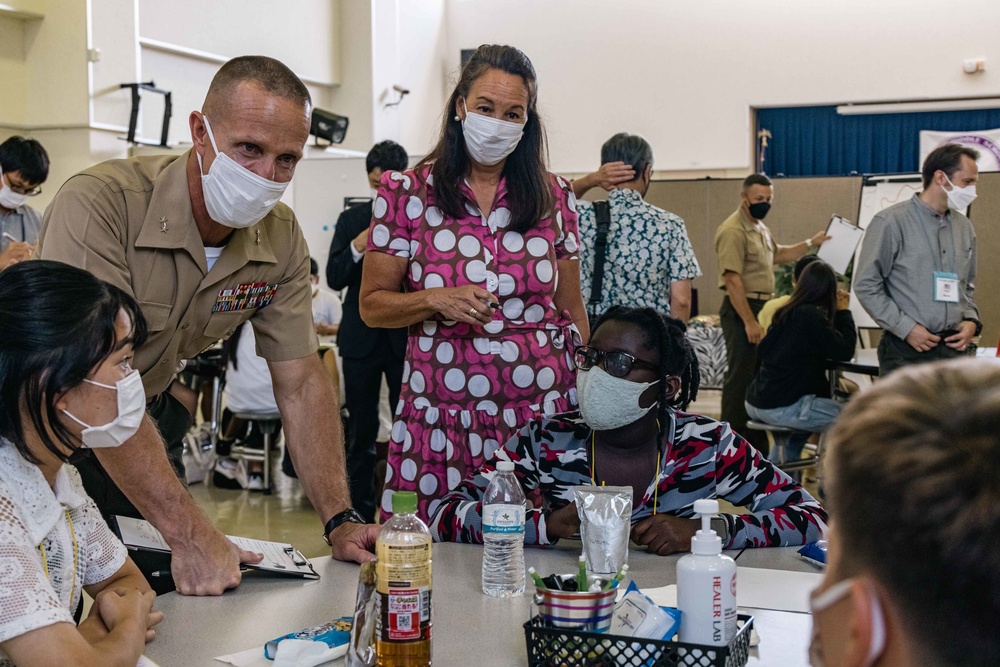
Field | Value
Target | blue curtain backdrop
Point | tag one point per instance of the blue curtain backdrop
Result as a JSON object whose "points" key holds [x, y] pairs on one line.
{"points": [[816, 141]]}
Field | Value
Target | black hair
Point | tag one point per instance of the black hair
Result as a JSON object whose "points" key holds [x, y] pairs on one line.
{"points": [[529, 189], [387, 156], [313, 267], [231, 345], [756, 179], [57, 324], [801, 265], [631, 149], [26, 156], [817, 286], [668, 337], [946, 158]]}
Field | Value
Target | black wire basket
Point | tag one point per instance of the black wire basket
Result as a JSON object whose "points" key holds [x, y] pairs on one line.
{"points": [[560, 647]]}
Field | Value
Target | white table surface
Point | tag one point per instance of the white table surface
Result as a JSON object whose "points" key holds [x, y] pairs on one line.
{"points": [[469, 627]]}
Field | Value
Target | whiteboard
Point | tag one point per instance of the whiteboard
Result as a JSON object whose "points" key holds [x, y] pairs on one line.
{"points": [[877, 194]]}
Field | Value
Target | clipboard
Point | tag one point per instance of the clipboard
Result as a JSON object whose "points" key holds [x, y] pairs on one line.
{"points": [[839, 250], [279, 558]]}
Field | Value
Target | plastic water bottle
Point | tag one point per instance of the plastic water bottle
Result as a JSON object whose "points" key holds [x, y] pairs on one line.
{"points": [[503, 534]]}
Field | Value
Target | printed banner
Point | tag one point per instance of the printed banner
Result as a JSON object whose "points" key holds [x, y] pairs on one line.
{"points": [[986, 142]]}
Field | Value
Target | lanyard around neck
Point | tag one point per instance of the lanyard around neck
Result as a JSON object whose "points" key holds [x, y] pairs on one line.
{"points": [[659, 452], [76, 558]]}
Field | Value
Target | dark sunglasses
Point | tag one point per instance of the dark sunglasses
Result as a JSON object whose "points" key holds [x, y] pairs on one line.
{"points": [[617, 364]]}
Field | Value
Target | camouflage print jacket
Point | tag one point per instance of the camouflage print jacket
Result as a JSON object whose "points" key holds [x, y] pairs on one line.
{"points": [[702, 459]]}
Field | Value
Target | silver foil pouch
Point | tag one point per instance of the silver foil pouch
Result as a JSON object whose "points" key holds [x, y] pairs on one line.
{"points": [[605, 519]]}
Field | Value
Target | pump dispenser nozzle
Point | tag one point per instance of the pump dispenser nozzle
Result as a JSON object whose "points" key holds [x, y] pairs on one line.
{"points": [[706, 542]]}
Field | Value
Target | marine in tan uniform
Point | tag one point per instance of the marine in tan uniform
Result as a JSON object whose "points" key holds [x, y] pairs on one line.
{"points": [[150, 225], [747, 255]]}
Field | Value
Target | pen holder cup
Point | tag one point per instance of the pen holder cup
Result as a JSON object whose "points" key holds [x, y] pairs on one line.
{"points": [[577, 610]]}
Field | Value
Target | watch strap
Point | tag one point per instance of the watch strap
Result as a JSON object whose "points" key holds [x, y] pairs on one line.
{"points": [[349, 515], [979, 325], [721, 528]]}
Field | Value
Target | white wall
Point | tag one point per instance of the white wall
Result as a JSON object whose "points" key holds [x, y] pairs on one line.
{"points": [[409, 49], [686, 74], [76, 109], [353, 97], [301, 34]]}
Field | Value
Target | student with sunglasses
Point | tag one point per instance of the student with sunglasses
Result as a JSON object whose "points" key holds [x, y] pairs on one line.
{"points": [[634, 379]]}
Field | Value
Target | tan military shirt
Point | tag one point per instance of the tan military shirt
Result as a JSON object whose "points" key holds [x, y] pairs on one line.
{"points": [[745, 246], [129, 222]]}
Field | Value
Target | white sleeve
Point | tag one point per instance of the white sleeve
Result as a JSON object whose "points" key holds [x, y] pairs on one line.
{"points": [[27, 599], [356, 254], [336, 310], [105, 554]]}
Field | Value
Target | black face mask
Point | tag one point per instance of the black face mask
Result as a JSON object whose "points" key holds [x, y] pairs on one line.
{"points": [[759, 210]]}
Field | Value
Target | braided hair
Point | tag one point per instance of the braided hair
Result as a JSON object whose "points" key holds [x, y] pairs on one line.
{"points": [[666, 335]]}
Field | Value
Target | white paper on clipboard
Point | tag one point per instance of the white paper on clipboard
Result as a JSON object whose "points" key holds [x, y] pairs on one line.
{"points": [[839, 250]]}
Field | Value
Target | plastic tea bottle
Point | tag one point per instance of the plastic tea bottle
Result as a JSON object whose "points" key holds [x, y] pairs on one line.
{"points": [[503, 534], [706, 585], [403, 587]]}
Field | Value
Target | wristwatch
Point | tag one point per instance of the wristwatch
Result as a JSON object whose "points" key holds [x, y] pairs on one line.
{"points": [[348, 515], [979, 325], [721, 528], [809, 244]]}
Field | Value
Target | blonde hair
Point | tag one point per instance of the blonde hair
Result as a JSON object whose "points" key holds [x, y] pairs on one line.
{"points": [[914, 492]]}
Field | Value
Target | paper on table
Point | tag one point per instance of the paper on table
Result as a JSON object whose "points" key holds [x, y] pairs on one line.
{"points": [[278, 557], [758, 588], [780, 590], [145, 662], [839, 250]]}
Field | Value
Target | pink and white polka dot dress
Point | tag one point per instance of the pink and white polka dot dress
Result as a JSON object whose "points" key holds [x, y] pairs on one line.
{"points": [[468, 389]]}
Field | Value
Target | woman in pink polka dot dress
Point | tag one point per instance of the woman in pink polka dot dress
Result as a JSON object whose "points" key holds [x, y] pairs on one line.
{"points": [[476, 250]]}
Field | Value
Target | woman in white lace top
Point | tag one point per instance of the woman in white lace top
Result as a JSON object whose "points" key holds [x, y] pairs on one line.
{"points": [[66, 343]]}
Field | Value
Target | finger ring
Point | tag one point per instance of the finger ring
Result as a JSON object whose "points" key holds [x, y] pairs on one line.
{"points": [[473, 312]]}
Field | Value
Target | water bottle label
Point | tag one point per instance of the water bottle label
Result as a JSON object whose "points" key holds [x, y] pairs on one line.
{"points": [[503, 519]]}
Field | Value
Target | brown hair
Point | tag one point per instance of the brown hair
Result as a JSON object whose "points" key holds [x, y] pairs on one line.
{"points": [[816, 286], [272, 75], [947, 158], [528, 187], [914, 491]]}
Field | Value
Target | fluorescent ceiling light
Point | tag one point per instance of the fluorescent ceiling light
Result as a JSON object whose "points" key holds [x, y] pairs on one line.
{"points": [[916, 107]]}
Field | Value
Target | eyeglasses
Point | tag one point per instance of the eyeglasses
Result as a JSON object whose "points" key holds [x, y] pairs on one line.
{"points": [[20, 190], [617, 364]]}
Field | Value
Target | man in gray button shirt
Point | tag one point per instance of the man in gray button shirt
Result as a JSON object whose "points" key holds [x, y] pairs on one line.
{"points": [[917, 269], [24, 166]]}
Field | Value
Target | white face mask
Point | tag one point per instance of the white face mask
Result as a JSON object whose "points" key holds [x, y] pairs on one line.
{"points": [[960, 198], [823, 601], [607, 402], [235, 196], [131, 408], [9, 198], [489, 140]]}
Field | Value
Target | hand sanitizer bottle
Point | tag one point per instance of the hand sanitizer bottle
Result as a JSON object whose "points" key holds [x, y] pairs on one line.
{"points": [[706, 585]]}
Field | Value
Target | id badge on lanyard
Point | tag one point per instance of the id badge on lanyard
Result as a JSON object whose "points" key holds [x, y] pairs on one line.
{"points": [[945, 287]]}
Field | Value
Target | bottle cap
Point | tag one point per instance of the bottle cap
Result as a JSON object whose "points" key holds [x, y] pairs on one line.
{"points": [[505, 466], [706, 542], [404, 502]]}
